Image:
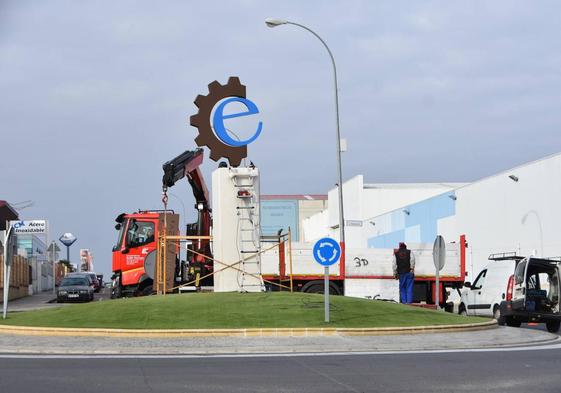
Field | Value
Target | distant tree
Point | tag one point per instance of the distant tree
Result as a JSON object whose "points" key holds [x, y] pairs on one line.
{"points": [[68, 265]]}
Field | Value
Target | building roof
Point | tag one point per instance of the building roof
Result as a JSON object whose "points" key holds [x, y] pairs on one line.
{"points": [[7, 213], [308, 197], [414, 185]]}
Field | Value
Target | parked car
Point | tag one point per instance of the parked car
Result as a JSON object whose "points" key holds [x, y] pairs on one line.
{"points": [[483, 297], [75, 288], [533, 294], [100, 279], [83, 275], [95, 280]]}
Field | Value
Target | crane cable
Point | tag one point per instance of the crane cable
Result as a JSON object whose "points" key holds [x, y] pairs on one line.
{"points": [[163, 269]]}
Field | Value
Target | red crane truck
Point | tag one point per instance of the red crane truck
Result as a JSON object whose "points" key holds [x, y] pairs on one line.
{"points": [[133, 259]]}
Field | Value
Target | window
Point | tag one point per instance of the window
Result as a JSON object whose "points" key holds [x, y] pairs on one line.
{"points": [[73, 281], [140, 233], [478, 283], [519, 273], [120, 236], [533, 282]]}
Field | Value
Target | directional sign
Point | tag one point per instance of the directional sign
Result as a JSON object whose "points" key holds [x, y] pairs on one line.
{"points": [[439, 252], [327, 251], [53, 247], [67, 239]]}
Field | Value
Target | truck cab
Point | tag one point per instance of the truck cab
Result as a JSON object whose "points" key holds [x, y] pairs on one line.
{"points": [[133, 272]]}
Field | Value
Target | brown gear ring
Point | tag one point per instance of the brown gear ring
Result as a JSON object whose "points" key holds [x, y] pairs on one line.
{"points": [[201, 120]]}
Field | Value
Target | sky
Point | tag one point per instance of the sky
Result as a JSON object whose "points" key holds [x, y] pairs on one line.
{"points": [[96, 95]]}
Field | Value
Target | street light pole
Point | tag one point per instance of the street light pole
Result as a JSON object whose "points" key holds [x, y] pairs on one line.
{"points": [[270, 22], [68, 258]]}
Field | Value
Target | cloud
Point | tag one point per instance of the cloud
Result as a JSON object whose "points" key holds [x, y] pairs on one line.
{"points": [[97, 95]]}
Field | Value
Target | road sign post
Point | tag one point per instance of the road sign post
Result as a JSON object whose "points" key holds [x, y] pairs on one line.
{"points": [[326, 252], [439, 258], [8, 251]]}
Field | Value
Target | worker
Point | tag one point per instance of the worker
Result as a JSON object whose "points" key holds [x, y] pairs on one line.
{"points": [[404, 270]]}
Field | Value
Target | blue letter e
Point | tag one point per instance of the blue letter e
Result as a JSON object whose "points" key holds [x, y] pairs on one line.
{"points": [[219, 116]]}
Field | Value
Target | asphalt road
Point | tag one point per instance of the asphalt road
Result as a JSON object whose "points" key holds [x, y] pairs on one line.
{"points": [[512, 371]]}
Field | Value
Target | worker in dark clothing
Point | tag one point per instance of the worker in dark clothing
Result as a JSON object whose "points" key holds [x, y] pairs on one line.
{"points": [[404, 270]]}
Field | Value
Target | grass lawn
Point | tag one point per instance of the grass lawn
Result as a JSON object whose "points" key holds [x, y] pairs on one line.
{"points": [[233, 310]]}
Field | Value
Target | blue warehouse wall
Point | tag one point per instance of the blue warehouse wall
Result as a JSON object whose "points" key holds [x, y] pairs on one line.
{"points": [[419, 226]]}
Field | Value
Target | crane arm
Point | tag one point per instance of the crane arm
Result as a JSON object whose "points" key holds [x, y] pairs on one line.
{"points": [[187, 165]]}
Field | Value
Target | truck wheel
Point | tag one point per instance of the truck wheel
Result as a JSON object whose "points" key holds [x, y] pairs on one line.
{"points": [[147, 291], [317, 287], [512, 322], [553, 326], [497, 315]]}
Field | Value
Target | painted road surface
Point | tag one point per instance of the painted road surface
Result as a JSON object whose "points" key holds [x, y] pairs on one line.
{"points": [[489, 371]]}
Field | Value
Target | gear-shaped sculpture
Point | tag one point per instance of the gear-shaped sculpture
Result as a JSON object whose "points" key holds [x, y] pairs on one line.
{"points": [[201, 120]]}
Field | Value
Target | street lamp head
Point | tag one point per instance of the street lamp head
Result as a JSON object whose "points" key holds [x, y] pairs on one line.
{"points": [[272, 22]]}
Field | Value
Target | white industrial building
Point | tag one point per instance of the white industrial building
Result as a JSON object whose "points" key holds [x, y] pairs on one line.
{"points": [[512, 211]]}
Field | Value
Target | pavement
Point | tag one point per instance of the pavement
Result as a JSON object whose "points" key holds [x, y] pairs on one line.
{"points": [[34, 302], [44, 300], [489, 371], [499, 337]]}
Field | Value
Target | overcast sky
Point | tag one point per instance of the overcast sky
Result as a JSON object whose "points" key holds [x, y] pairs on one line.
{"points": [[96, 95]]}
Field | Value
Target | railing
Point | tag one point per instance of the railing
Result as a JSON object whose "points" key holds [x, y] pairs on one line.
{"points": [[164, 270]]}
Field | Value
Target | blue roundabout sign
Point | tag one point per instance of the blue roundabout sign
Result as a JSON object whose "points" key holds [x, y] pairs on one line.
{"points": [[327, 251]]}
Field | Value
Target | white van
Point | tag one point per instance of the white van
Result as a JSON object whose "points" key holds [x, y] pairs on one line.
{"points": [[533, 294], [483, 297]]}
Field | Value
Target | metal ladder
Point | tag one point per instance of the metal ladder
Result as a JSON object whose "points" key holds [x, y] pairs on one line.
{"points": [[249, 244]]}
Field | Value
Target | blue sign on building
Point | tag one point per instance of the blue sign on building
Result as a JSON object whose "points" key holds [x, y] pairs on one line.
{"points": [[279, 214]]}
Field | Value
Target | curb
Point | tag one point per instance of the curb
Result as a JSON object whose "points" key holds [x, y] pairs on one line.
{"points": [[266, 332], [142, 353]]}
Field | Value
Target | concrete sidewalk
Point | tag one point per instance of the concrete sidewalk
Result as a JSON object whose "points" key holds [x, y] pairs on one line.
{"points": [[34, 302], [494, 338]]}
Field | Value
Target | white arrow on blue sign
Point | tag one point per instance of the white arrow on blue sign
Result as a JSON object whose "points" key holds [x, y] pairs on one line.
{"points": [[327, 251]]}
